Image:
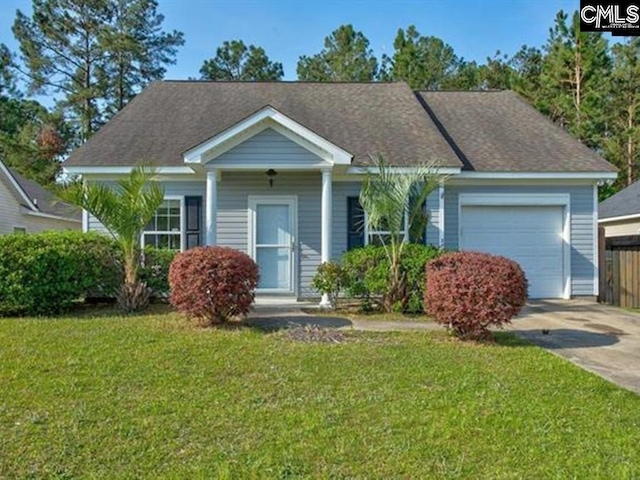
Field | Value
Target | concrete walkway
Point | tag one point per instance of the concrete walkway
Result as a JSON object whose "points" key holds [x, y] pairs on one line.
{"points": [[604, 340]]}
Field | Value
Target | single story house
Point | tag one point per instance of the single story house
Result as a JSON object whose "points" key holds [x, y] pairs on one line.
{"points": [[26, 207], [620, 213], [275, 169]]}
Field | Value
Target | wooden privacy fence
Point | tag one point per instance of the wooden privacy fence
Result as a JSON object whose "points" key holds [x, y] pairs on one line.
{"points": [[619, 270]]}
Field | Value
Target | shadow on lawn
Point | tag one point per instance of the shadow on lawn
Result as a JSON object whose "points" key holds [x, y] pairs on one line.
{"points": [[557, 339], [275, 323], [108, 310]]}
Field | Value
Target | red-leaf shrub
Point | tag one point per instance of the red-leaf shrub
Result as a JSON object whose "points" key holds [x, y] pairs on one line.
{"points": [[212, 284], [471, 291]]}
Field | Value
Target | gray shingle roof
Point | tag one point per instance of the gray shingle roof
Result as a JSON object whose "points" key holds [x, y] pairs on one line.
{"points": [[500, 131], [475, 130], [170, 117], [625, 202], [44, 200]]}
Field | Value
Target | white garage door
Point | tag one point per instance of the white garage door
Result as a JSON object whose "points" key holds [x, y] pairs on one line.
{"points": [[530, 235]]}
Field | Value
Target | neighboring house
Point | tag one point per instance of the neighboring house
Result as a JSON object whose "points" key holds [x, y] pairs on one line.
{"points": [[275, 169], [620, 213], [26, 207]]}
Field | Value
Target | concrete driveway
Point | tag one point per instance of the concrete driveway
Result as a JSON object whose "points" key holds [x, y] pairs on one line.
{"points": [[599, 338]]}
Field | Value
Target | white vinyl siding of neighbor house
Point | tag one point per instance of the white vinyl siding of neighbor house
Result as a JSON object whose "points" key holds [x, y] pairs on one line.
{"points": [[12, 216], [268, 147], [621, 228], [581, 224]]}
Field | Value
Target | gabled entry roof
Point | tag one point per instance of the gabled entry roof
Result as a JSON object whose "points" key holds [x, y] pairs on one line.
{"points": [[267, 117]]}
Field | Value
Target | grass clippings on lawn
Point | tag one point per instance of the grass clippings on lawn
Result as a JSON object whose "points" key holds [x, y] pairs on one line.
{"points": [[145, 396]]}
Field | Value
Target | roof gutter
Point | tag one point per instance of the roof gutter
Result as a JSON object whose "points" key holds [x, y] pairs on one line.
{"points": [[620, 218], [51, 217]]}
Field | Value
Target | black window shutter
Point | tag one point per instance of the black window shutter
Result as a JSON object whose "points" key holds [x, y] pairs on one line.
{"points": [[355, 223], [193, 207]]}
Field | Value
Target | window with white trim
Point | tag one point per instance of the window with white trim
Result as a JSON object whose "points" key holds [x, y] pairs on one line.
{"points": [[165, 228], [360, 233], [377, 237]]}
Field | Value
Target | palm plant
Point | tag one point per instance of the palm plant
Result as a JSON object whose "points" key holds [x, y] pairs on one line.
{"points": [[389, 199], [124, 210]]}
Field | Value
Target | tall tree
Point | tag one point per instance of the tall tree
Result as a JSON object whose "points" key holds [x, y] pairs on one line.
{"points": [[7, 77], [346, 57], [526, 67], [137, 50], [425, 63], [236, 61], [573, 78], [32, 140], [60, 46], [92, 52], [622, 147]]}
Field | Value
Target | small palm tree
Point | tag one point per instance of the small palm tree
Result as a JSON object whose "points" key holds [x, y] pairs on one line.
{"points": [[124, 211], [390, 199]]}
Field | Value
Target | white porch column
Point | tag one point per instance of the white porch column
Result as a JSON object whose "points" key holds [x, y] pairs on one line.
{"points": [[211, 210], [327, 206]]}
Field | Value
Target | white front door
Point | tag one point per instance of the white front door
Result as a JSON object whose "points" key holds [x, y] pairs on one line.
{"points": [[272, 222]]}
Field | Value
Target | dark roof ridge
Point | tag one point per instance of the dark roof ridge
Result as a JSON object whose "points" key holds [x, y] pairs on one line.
{"points": [[279, 82], [464, 90]]}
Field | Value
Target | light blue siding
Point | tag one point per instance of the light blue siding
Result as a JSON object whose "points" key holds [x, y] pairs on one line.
{"points": [[581, 224], [433, 219], [268, 147], [232, 222]]}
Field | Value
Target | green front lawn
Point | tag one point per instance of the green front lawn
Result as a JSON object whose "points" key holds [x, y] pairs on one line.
{"points": [[150, 396]]}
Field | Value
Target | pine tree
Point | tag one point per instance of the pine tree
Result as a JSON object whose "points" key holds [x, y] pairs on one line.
{"points": [[573, 79], [346, 57], [95, 53], [235, 61], [137, 50], [622, 146], [425, 63]]}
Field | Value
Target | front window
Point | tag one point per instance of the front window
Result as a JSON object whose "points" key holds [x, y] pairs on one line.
{"points": [[165, 228], [378, 237]]}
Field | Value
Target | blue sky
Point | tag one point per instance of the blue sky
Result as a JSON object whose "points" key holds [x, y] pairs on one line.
{"points": [[289, 29]]}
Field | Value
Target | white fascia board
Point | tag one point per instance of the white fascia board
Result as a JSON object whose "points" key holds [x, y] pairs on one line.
{"points": [[52, 217], [123, 170], [620, 218], [276, 166], [17, 187], [366, 170], [339, 156], [513, 199], [539, 175]]}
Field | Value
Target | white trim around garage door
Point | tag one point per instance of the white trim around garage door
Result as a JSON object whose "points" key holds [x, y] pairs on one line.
{"points": [[532, 200]]}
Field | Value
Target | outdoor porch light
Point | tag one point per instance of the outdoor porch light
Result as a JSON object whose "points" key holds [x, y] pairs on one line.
{"points": [[271, 173]]}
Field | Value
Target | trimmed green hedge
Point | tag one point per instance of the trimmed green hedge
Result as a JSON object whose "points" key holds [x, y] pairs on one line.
{"points": [[367, 273], [44, 273], [155, 269]]}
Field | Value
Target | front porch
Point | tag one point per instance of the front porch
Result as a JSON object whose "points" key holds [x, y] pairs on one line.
{"points": [[285, 223]]}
